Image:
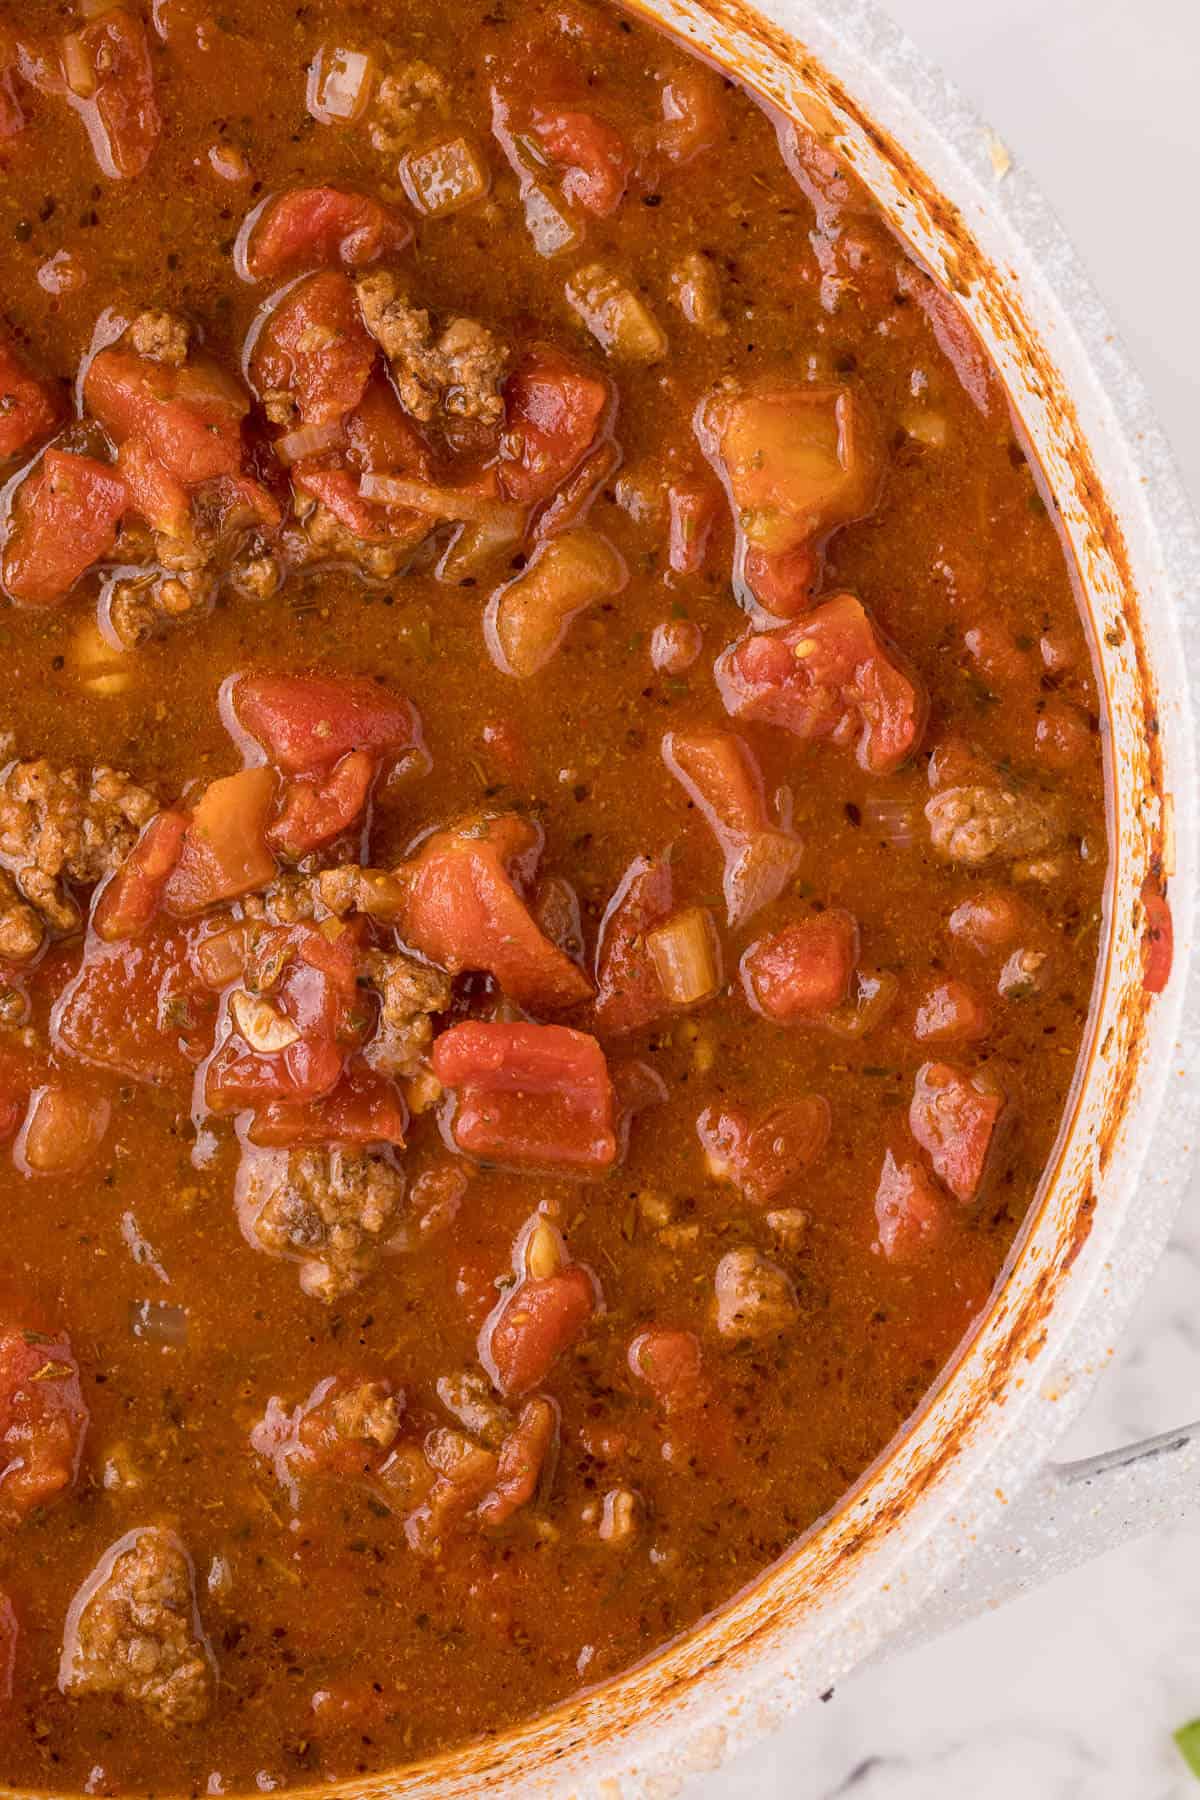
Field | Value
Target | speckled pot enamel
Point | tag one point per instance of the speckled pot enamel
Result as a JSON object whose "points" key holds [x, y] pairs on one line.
{"points": [[922, 1538]]}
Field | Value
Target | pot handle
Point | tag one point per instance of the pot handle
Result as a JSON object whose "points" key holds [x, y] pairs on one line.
{"points": [[1070, 1513]]}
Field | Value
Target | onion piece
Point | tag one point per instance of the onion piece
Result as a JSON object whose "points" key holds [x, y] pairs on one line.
{"points": [[263, 1026], [616, 317], [892, 820], [444, 177], [475, 541], [441, 502], [309, 440], [78, 68], [339, 84], [686, 956], [157, 1322], [548, 224]]}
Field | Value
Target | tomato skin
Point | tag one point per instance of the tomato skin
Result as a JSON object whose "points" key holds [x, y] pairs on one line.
{"points": [[29, 408], [153, 491], [307, 723], [315, 809], [190, 418], [954, 1120], [135, 1005], [553, 413], [43, 1420], [533, 1325], [308, 227], [831, 676], [804, 970], [122, 116], [328, 381], [364, 1108], [628, 991], [130, 897], [766, 1156], [64, 519], [528, 1095], [597, 165], [463, 911]]}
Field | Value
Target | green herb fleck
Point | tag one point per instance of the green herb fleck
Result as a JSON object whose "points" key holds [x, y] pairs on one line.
{"points": [[1188, 1740]]}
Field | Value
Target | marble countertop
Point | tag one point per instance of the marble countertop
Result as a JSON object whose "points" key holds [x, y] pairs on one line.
{"points": [[1072, 1692]]}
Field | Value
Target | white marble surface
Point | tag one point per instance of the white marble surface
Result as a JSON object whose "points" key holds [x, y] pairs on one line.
{"points": [[1072, 1692]]}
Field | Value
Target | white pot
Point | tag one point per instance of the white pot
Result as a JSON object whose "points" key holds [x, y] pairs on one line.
{"points": [[905, 1551]]}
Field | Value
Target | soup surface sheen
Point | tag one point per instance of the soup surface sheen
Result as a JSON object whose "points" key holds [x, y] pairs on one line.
{"points": [[552, 842]]}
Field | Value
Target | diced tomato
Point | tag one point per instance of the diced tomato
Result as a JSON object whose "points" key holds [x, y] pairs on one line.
{"points": [[991, 919], [315, 348], [130, 897], [531, 1095], [223, 853], [798, 461], [831, 676], [804, 970], [670, 1364], [462, 910], [691, 109], [628, 991], [315, 809], [10, 1630], [909, 1210], [370, 520], [950, 1012], [153, 491], [318, 1436], [523, 1455], [692, 512], [719, 773], [29, 408], [533, 1325], [190, 418], [596, 163], [315, 995], [121, 113], [64, 519], [954, 1117], [308, 227], [307, 723], [43, 1420], [1158, 938], [364, 1108], [381, 437], [764, 1158], [782, 581], [553, 411], [136, 1006]]}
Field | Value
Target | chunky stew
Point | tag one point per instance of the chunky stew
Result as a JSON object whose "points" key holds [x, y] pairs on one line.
{"points": [[552, 842]]}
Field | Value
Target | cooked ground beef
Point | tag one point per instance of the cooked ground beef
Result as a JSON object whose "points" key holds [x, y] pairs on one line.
{"points": [[457, 373], [59, 825], [974, 824], [404, 100], [162, 337], [410, 993], [331, 1209], [754, 1297], [134, 1631]]}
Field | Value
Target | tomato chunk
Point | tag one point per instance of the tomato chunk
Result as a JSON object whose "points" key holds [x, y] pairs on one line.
{"points": [[533, 1325], [831, 676], [189, 417], [43, 1420], [595, 161], [909, 1209], [306, 227], [121, 113], [553, 411], [290, 1030], [364, 1108], [135, 1006], [720, 775], [129, 899], [64, 519], [315, 809], [223, 852], [797, 462], [629, 993], [153, 491], [314, 351], [950, 1012], [763, 1158], [953, 1117], [671, 1364], [29, 408], [346, 1426], [804, 970], [531, 1095], [462, 910], [307, 723]]}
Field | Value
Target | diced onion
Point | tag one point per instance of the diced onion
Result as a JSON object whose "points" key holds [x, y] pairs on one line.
{"points": [[221, 958], [551, 228], [543, 1252], [77, 67], [263, 1026], [439, 502], [686, 956], [443, 177], [309, 440], [339, 85], [156, 1322], [618, 320]]}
